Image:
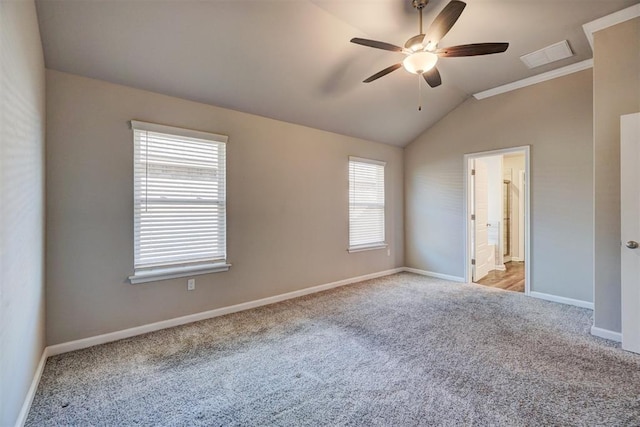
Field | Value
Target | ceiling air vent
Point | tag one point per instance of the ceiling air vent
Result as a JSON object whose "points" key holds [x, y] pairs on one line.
{"points": [[555, 52]]}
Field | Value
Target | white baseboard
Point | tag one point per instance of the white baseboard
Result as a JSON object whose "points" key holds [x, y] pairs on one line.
{"points": [[151, 327], [139, 330], [562, 300], [606, 334], [516, 259], [436, 275], [31, 393], [500, 267]]}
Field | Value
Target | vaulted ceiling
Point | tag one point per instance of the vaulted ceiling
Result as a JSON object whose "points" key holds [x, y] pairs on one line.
{"points": [[292, 60]]}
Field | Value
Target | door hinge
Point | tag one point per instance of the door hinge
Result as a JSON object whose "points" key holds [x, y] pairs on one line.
{"points": [[473, 262], [473, 217], [473, 171]]}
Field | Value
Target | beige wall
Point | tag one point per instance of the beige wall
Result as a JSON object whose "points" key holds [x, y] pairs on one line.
{"points": [[616, 91], [287, 208], [22, 119], [555, 119]]}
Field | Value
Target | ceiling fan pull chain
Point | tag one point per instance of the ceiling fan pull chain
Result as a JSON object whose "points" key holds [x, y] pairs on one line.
{"points": [[419, 93]]}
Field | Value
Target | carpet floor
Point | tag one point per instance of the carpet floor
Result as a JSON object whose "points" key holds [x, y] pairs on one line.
{"points": [[401, 350]]}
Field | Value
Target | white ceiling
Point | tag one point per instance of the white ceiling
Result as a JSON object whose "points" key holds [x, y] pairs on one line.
{"points": [[291, 59]]}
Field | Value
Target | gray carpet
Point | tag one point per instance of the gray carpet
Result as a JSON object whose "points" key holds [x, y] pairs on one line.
{"points": [[401, 350]]}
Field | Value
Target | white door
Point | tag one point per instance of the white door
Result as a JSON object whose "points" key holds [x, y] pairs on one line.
{"points": [[521, 196], [481, 212], [630, 229]]}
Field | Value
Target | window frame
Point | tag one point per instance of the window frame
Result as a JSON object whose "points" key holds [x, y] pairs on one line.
{"points": [[183, 268], [369, 245]]}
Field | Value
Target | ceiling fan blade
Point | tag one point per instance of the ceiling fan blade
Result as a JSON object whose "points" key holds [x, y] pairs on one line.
{"points": [[382, 73], [376, 44], [432, 77], [472, 49], [443, 22]]}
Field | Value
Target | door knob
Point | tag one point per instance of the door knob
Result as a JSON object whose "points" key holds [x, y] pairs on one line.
{"points": [[632, 244]]}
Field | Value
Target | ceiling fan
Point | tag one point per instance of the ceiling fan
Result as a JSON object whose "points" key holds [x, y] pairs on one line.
{"points": [[422, 50]]}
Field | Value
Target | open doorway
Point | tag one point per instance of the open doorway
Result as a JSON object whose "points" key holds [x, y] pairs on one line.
{"points": [[497, 219]]}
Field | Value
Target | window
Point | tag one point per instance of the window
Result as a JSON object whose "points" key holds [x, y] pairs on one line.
{"points": [[179, 202], [366, 204]]}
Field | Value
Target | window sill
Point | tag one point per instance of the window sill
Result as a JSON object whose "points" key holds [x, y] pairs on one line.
{"points": [[145, 276], [362, 248]]}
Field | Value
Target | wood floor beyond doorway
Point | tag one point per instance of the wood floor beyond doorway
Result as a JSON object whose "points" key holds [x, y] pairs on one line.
{"points": [[511, 280]]}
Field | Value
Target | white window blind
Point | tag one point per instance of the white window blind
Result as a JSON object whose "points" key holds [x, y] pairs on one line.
{"points": [[366, 204], [179, 197]]}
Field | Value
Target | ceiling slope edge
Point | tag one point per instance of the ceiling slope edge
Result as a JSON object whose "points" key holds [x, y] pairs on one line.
{"points": [[549, 75], [589, 28], [609, 21]]}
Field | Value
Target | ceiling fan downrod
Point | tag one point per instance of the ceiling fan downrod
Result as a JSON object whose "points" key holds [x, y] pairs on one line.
{"points": [[419, 4]]}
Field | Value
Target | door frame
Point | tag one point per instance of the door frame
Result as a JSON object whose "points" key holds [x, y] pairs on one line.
{"points": [[468, 250]]}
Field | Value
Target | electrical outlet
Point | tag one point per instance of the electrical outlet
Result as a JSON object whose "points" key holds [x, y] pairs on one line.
{"points": [[191, 284]]}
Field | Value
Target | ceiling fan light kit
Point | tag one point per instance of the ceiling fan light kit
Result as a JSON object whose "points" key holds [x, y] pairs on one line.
{"points": [[422, 50], [420, 62]]}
